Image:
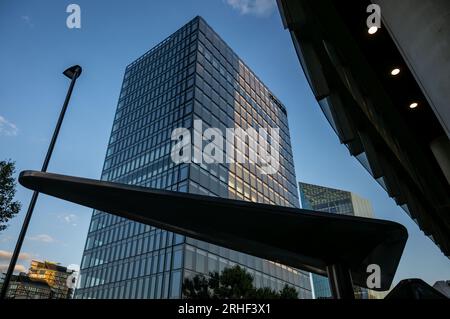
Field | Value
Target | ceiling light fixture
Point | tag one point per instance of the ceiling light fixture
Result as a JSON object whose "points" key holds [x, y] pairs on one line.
{"points": [[373, 30], [395, 72]]}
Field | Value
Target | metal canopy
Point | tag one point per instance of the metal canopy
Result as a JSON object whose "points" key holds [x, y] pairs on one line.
{"points": [[299, 238]]}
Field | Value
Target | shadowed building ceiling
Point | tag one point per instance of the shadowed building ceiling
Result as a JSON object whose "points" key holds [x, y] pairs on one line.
{"points": [[403, 145]]}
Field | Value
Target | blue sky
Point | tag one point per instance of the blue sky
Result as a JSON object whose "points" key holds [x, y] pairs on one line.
{"points": [[37, 46]]}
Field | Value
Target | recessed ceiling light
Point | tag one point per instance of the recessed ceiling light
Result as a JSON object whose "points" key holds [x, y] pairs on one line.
{"points": [[373, 30], [395, 72], [413, 105]]}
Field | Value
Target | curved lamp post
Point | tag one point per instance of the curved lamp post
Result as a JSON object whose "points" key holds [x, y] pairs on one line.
{"points": [[72, 73]]}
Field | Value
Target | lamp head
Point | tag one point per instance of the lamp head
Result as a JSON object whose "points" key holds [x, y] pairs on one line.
{"points": [[73, 72]]}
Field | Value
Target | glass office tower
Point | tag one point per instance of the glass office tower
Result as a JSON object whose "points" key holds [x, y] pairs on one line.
{"points": [[336, 201], [191, 75]]}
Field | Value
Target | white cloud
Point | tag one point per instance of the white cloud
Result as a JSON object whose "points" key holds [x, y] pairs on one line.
{"points": [[261, 8], [44, 238], [74, 267], [7, 128], [5, 239], [6, 255], [70, 219], [27, 20], [17, 268]]}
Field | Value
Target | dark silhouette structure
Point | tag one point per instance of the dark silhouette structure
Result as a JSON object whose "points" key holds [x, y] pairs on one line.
{"points": [[414, 289], [384, 94], [348, 244]]}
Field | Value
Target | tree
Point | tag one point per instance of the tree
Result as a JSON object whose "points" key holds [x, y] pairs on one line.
{"points": [[288, 293], [265, 293], [196, 288], [8, 207], [232, 283]]}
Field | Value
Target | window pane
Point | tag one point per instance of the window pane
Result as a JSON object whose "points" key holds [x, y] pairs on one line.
{"points": [[175, 281], [177, 258]]}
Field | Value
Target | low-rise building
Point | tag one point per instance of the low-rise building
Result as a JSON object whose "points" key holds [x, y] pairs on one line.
{"points": [[54, 275], [23, 287]]}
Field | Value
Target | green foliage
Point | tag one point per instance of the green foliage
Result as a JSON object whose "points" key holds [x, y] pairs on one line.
{"points": [[288, 293], [232, 283], [8, 207], [196, 288], [265, 293]]}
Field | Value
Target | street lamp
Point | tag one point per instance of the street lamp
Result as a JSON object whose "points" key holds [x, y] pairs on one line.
{"points": [[72, 73]]}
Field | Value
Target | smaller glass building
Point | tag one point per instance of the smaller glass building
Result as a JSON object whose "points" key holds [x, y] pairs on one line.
{"points": [[333, 201]]}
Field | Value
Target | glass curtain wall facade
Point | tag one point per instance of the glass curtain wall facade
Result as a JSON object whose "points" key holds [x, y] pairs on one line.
{"points": [[333, 201], [191, 75]]}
